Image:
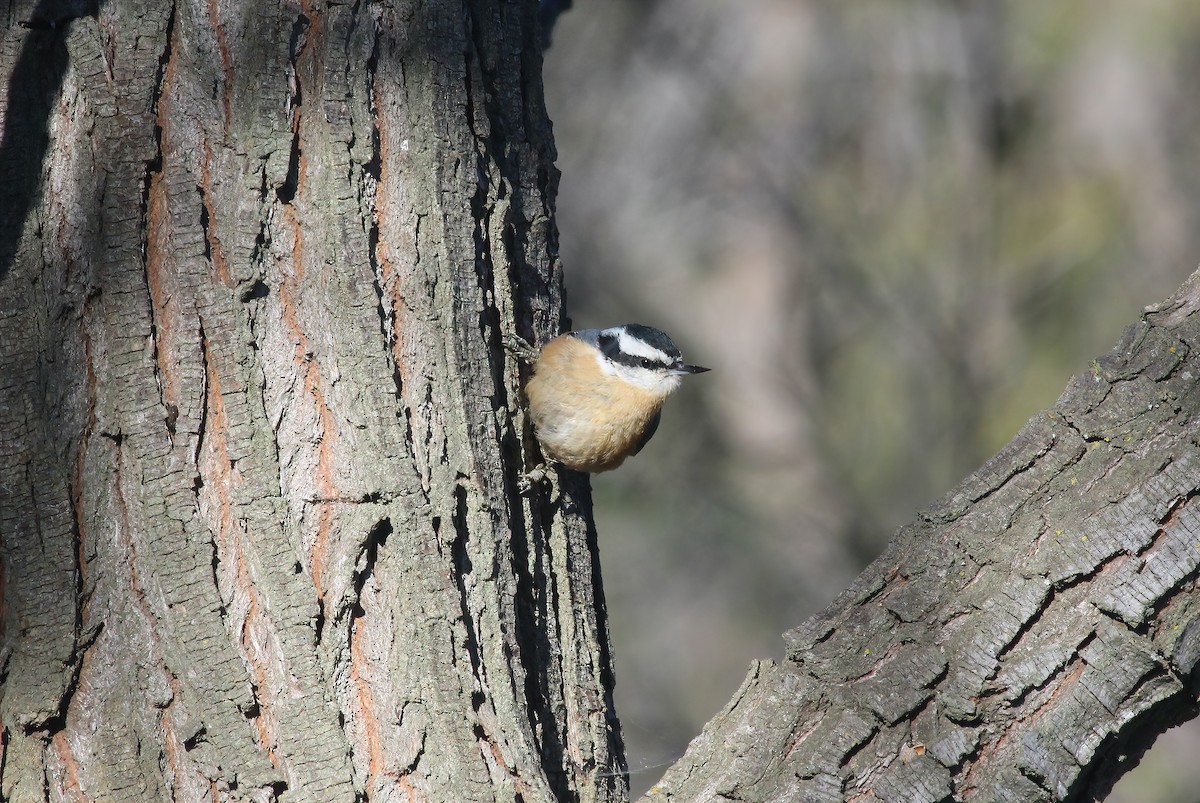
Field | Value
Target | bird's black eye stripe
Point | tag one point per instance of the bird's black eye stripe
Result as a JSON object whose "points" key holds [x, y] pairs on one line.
{"points": [[609, 345], [648, 363]]}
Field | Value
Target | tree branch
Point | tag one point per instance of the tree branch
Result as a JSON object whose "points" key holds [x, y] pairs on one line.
{"points": [[1025, 639]]}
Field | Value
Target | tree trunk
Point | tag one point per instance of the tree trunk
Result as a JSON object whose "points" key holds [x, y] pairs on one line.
{"points": [[1025, 639], [259, 445], [259, 453]]}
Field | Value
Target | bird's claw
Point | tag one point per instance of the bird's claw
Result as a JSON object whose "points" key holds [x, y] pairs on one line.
{"points": [[536, 475], [520, 348]]}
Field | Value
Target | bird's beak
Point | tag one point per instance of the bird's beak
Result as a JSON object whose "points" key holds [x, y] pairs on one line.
{"points": [[684, 368]]}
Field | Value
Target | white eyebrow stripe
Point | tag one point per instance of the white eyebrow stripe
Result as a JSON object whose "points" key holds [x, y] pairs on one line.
{"points": [[638, 348]]}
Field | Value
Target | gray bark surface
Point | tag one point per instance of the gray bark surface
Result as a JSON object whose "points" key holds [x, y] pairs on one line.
{"points": [[259, 517], [1025, 639], [260, 527]]}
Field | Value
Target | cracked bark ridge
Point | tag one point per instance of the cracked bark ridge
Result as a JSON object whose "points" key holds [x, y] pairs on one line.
{"points": [[1025, 639], [259, 523]]}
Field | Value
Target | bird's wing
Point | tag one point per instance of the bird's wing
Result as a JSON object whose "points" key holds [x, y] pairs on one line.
{"points": [[651, 428]]}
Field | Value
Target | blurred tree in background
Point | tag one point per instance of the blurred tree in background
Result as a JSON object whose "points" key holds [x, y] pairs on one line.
{"points": [[895, 230]]}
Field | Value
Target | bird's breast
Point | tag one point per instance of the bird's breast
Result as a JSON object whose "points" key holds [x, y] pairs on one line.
{"points": [[583, 417]]}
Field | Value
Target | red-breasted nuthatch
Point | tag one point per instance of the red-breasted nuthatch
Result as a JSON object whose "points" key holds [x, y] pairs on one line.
{"points": [[596, 394]]}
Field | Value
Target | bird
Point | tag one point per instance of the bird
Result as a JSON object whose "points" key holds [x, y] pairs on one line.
{"points": [[596, 395]]}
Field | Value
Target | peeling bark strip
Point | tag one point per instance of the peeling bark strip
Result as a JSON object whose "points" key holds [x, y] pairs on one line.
{"points": [[1025, 639], [259, 523]]}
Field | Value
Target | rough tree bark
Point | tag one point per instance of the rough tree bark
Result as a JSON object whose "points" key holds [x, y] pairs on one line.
{"points": [[259, 446], [1025, 639]]}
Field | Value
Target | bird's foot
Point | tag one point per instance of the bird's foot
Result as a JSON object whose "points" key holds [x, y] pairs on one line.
{"points": [[520, 348]]}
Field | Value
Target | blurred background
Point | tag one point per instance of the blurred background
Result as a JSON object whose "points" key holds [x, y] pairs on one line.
{"points": [[894, 231]]}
